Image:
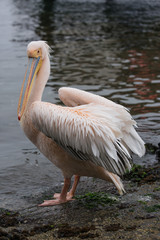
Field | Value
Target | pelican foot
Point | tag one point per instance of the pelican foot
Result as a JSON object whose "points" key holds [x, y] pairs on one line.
{"points": [[54, 202], [69, 196]]}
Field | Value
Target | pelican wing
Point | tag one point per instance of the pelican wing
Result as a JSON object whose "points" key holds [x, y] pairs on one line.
{"points": [[72, 97], [89, 132], [131, 140]]}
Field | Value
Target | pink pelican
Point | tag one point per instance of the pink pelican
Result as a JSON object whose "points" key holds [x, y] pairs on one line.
{"points": [[90, 136]]}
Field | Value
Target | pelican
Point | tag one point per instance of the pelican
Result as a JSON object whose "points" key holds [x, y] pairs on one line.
{"points": [[90, 136]]}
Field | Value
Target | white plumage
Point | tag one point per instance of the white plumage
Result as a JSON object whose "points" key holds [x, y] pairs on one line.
{"points": [[95, 131]]}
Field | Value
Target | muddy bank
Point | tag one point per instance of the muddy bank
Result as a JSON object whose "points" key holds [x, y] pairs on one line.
{"points": [[94, 214]]}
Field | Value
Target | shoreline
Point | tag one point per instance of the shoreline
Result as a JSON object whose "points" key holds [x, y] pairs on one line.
{"points": [[134, 215]]}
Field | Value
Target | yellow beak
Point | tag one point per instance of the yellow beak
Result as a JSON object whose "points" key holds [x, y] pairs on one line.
{"points": [[24, 94]]}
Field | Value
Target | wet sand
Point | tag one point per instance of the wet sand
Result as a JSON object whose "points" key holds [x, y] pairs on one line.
{"points": [[136, 215]]}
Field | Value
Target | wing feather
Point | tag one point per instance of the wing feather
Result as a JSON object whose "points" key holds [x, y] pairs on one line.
{"points": [[89, 132]]}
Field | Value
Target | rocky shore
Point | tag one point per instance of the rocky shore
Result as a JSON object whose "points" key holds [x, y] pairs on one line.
{"points": [[97, 212]]}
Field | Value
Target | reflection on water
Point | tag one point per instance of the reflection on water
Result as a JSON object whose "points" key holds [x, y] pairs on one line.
{"points": [[109, 47]]}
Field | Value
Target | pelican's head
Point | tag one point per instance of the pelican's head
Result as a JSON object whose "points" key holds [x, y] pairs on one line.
{"points": [[37, 49], [36, 52]]}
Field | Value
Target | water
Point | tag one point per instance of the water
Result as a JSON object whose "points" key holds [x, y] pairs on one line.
{"points": [[110, 48]]}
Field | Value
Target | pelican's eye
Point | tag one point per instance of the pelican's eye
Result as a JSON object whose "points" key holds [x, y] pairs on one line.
{"points": [[38, 52]]}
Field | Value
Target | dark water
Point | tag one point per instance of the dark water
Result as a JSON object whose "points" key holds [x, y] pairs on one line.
{"points": [[110, 48]]}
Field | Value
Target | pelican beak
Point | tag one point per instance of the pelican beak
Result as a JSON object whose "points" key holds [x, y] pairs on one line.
{"points": [[34, 65]]}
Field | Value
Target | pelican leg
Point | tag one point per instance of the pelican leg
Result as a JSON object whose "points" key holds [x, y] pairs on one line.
{"points": [[74, 186], [71, 193], [62, 197]]}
